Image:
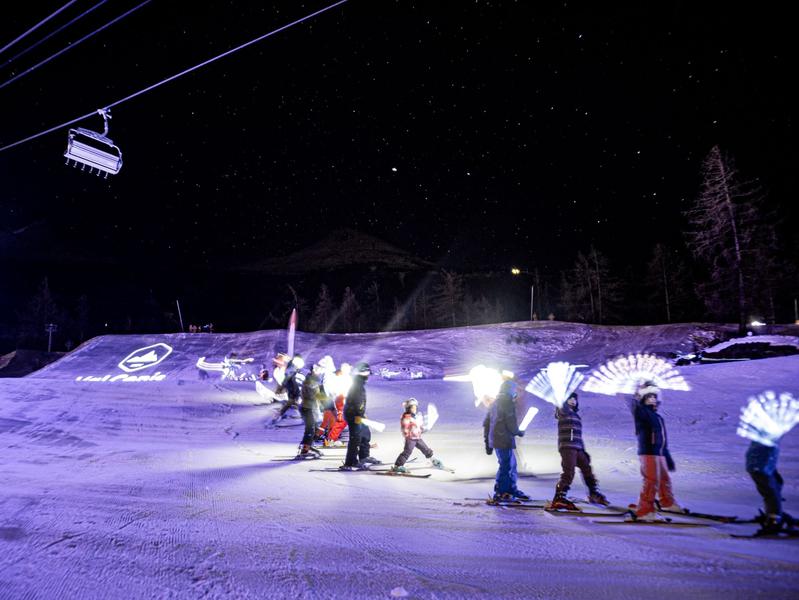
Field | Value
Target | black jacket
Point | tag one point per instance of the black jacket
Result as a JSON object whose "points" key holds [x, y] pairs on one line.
{"points": [[500, 427], [651, 431], [355, 405]]}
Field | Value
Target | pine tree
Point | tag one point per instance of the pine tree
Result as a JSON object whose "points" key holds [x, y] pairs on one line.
{"points": [[446, 302], [727, 233], [42, 310], [668, 279], [323, 315], [350, 310]]}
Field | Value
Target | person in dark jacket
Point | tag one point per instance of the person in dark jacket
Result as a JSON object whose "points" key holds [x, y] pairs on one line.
{"points": [[500, 429], [354, 411], [292, 380], [654, 455], [312, 393], [573, 454], [761, 464]]}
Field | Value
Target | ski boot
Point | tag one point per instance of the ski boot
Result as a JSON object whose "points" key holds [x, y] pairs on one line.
{"points": [[504, 497], [437, 463], [371, 460], [673, 508], [596, 497], [772, 524], [652, 517], [520, 495], [398, 469], [561, 502]]}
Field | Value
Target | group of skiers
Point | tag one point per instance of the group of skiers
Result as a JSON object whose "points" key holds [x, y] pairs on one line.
{"points": [[339, 396], [500, 429]]}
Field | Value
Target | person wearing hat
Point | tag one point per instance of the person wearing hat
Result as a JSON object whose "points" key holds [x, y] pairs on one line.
{"points": [[354, 412], [500, 429], [573, 455], [312, 394], [654, 455], [412, 426]]}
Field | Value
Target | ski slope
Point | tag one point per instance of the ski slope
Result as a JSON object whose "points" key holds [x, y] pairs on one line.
{"points": [[167, 487]]}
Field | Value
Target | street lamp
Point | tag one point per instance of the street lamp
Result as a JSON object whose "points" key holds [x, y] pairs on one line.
{"points": [[516, 271]]}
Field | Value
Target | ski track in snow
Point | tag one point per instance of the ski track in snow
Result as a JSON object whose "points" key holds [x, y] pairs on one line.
{"points": [[168, 489]]}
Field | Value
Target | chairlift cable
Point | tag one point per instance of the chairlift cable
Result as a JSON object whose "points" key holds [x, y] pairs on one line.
{"points": [[173, 77], [70, 46], [57, 31], [35, 27]]}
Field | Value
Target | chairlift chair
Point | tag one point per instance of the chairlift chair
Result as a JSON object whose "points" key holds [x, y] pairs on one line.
{"points": [[94, 150]]}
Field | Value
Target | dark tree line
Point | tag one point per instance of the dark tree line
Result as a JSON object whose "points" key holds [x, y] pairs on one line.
{"points": [[731, 266]]}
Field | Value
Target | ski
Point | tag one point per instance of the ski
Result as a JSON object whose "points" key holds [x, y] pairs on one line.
{"points": [[336, 470], [582, 513], [781, 535], [395, 474], [666, 523]]}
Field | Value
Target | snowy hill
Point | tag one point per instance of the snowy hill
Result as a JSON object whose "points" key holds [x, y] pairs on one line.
{"points": [[134, 486]]}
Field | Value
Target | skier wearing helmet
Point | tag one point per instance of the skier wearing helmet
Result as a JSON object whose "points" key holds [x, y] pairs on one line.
{"points": [[354, 412], [412, 426]]}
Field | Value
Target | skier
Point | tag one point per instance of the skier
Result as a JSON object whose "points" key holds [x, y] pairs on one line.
{"points": [[354, 412], [412, 427], [761, 464], [654, 455], [499, 431], [573, 454], [291, 383], [312, 392], [333, 423]]}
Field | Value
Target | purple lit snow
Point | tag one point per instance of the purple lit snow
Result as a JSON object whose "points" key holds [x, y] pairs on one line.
{"points": [[169, 488]]}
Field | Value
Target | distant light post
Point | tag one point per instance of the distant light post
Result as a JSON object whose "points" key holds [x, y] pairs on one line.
{"points": [[50, 328], [516, 271]]}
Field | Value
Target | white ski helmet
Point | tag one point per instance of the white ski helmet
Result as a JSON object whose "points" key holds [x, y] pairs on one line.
{"points": [[410, 402]]}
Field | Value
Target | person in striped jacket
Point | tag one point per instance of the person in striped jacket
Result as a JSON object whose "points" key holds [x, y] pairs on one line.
{"points": [[412, 426], [573, 454]]}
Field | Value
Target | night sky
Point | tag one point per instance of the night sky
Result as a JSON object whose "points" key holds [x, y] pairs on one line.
{"points": [[469, 133]]}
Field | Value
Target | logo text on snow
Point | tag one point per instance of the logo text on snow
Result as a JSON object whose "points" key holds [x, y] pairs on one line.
{"points": [[146, 357], [143, 358]]}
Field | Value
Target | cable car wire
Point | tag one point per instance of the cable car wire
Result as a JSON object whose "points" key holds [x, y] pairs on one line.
{"points": [[173, 77], [35, 27], [49, 35], [70, 46]]}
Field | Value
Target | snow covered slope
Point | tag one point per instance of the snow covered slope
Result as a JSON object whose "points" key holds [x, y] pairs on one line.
{"points": [[168, 487]]}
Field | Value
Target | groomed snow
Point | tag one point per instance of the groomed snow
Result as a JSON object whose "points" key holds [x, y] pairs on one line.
{"points": [[168, 489]]}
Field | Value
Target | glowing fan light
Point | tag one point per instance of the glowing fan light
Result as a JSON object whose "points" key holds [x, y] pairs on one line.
{"points": [[209, 366], [625, 373], [486, 383], [767, 417], [555, 383], [339, 383], [531, 413], [432, 416], [377, 425]]}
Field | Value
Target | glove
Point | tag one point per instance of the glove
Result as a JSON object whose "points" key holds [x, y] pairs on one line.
{"points": [[670, 463], [520, 434], [489, 450], [358, 420]]}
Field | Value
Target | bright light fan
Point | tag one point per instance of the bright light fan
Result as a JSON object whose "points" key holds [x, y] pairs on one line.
{"points": [[625, 373], [768, 417], [432, 416], [555, 383]]}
